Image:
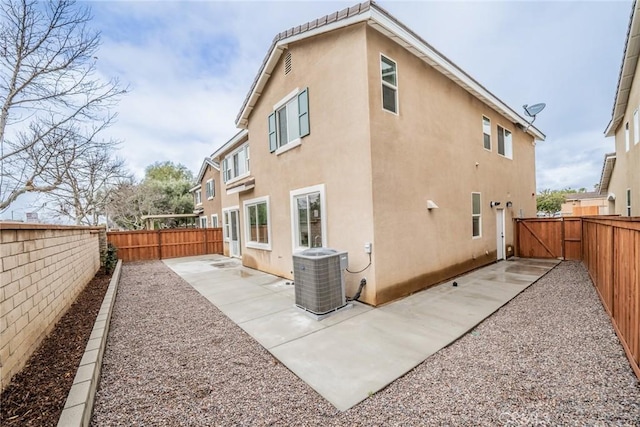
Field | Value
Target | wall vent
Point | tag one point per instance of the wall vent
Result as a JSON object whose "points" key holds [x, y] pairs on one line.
{"points": [[287, 63]]}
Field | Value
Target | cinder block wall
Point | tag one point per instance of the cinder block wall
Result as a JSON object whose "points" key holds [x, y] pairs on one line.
{"points": [[44, 268]]}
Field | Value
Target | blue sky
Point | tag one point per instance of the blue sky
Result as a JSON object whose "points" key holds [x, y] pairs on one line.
{"points": [[190, 64]]}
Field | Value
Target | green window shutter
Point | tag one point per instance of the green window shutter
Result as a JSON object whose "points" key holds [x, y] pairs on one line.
{"points": [[273, 140], [303, 112]]}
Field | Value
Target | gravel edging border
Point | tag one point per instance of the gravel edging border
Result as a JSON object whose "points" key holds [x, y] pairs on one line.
{"points": [[79, 404]]}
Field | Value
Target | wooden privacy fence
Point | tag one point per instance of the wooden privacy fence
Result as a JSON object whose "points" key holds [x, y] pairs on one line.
{"points": [[609, 247], [171, 243]]}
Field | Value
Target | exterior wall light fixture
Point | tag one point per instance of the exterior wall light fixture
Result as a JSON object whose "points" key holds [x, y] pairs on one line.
{"points": [[492, 204]]}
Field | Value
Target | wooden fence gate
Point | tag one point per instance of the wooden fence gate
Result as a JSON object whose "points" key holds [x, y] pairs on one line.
{"points": [[549, 238], [171, 243]]}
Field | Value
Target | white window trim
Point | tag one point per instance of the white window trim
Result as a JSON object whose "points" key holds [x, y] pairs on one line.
{"points": [[320, 188], [230, 157], [198, 197], [479, 236], [247, 231], [216, 221], [288, 146], [206, 223], [490, 140], [284, 101], [212, 188], [505, 142], [396, 87], [626, 137], [226, 235], [295, 142], [636, 127]]}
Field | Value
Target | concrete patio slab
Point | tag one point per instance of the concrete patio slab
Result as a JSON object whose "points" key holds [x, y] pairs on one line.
{"points": [[350, 355]]}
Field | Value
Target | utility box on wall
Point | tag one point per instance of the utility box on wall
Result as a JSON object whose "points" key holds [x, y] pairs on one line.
{"points": [[319, 280]]}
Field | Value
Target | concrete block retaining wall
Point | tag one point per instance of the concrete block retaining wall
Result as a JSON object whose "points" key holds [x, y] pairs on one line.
{"points": [[44, 268]]}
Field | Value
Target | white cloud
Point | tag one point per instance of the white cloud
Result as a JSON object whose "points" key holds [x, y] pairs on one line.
{"points": [[190, 65]]}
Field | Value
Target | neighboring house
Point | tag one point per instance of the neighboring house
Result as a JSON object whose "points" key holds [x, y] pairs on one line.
{"points": [[236, 178], [622, 183], [206, 199], [366, 139], [587, 203]]}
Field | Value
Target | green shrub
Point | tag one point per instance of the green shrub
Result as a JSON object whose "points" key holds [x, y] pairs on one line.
{"points": [[110, 258]]}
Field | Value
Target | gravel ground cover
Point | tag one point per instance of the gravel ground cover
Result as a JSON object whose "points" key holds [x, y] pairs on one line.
{"points": [[549, 357]]}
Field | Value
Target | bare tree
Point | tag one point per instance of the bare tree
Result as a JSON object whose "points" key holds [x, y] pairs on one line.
{"points": [[87, 189], [53, 104]]}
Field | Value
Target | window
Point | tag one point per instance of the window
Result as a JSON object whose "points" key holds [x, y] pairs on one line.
{"points": [[476, 215], [486, 129], [257, 229], [203, 222], [236, 164], [636, 127], [198, 197], [289, 121], [389, 77], [505, 144], [214, 221], [211, 191], [308, 218], [626, 136], [628, 202], [226, 225]]}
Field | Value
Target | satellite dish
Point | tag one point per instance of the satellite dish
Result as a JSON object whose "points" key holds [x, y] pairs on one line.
{"points": [[533, 110]]}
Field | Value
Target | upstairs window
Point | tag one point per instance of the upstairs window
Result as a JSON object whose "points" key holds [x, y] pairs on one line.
{"points": [[486, 130], [198, 197], [505, 144], [476, 215], [626, 136], [289, 121], [210, 189], [389, 76], [636, 127], [236, 164]]}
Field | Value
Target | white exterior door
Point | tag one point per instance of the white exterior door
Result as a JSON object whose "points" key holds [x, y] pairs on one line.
{"points": [[500, 234], [234, 233]]}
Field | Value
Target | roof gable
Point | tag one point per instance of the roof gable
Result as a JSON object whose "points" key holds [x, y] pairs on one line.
{"points": [[382, 21], [627, 72]]}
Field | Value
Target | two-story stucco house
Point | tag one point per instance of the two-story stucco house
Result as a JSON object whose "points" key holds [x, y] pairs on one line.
{"points": [[366, 139], [620, 178], [206, 198]]}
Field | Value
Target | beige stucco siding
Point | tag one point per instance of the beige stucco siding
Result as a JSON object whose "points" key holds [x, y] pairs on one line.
{"points": [[429, 152], [335, 154], [626, 172], [211, 206]]}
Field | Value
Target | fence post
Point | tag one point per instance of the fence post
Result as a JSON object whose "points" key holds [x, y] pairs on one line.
{"points": [[102, 245], [159, 244]]}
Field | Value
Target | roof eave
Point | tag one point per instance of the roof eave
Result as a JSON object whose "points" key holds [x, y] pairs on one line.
{"points": [[227, 145], [276, 49], [382, 21], [627, 72]]}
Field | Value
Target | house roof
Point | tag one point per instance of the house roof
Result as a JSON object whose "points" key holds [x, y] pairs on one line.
{"points": [[627, 71], [607, 170], [229, 144], [583, 195], [382, 21], [208, 161]]}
